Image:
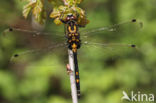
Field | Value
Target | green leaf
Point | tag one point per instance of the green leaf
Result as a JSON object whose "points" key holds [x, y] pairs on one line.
{"points": [[57, 21], [37, 8], [55, 13], [65, 10], [27, 8]]}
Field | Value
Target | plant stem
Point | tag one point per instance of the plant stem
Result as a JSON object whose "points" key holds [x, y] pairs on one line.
{"points": [[72, 77]]}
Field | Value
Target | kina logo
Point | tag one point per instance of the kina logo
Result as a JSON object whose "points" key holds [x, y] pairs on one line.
{"points": [[137, 97]]}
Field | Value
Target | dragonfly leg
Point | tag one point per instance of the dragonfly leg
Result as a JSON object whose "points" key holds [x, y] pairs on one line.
{"points": [[69, 71]]}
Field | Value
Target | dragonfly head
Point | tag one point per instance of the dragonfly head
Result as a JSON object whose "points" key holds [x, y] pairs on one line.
{"points": [[71, 17]]}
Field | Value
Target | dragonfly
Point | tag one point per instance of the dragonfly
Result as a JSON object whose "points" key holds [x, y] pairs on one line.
{"points": [[73, 39]]}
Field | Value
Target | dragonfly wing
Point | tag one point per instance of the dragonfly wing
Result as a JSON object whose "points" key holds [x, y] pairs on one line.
{"points": [[132, 26], [31, 39], [24, 27], [33, 32], [109, 49], [109, 44], [23, 54], [29, 43], [40, 62], [113, 39]]}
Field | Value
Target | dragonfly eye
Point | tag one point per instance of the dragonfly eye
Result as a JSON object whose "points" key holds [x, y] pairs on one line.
{"points": [[16, 55], [68, 18], [73, 17]]}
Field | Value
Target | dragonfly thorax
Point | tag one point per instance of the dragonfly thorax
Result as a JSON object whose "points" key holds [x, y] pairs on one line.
{"points": [[72, 27], [73, 35]]}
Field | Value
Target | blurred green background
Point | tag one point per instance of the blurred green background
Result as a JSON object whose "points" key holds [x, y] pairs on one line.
{"points": [[104, 72]]}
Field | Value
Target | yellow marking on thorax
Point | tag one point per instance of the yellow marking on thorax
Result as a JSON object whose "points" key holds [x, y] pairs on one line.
{"points": [[73, 38], [72, 31], [77, 40], [76, 34]]}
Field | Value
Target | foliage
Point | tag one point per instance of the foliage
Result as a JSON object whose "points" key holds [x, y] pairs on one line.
{"points": [[37, 7], [70, 6]]}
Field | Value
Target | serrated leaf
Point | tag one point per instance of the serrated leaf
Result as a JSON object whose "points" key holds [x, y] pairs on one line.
{"points": [[57, 21], [55, 13], [80, 11], [82, 20], [38, 12], [37, 8], [27, 8], [63, 8], [26, 12]]}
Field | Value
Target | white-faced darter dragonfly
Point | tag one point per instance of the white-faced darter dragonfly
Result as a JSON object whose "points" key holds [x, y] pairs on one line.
{"points": [[74, 42]]}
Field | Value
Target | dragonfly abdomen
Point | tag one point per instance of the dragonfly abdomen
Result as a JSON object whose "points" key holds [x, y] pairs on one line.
{"points": [[77, 78]]}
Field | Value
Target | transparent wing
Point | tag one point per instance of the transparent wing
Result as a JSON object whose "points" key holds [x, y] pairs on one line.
{"points": [[39, 63], [25, 29], [131, 26], [30, 43], [98, 55], [109, 44], [31, 39], [113, 39], [109, 48], [51, 48], [34, 33]]}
